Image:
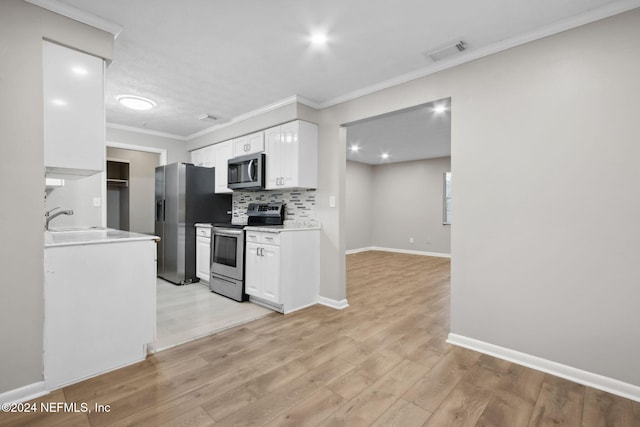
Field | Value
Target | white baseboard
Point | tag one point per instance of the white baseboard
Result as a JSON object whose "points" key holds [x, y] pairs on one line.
{"points": [[25, 393], [338, 305], [579, 376], [401, 251], [355, 251]]}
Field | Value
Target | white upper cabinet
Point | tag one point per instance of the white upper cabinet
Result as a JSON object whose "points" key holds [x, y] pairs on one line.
{"points": [[215, 156], [74, 112], [204, 157], [223, 152], [292, 156], [248, 144]]}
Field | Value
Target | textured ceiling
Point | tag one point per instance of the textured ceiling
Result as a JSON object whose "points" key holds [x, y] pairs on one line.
{"points": [[229, 58]]}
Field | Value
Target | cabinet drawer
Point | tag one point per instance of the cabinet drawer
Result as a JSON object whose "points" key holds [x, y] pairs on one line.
{"points": [[271, 238], [253, 236], [262, 237], [203, 232]]}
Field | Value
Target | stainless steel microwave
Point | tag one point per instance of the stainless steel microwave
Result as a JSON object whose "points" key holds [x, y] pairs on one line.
{"points": [[247, 172]]}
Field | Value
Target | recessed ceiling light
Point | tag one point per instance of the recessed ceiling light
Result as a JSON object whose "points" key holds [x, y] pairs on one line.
{"points": [[59, 102], [319, 39], [384, 156], [354, 148], [135, 102], [439, 109], [81, 71]]}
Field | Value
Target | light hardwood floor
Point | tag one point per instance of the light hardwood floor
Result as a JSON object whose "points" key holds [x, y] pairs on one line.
{"points": [[383, 361]]}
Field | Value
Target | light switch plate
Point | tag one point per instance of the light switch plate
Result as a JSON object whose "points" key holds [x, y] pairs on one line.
{"points": [[332, 201], [97, 202]]}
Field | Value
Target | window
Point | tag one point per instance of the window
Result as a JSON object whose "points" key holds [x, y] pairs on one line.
{"points": [[446, 210]]}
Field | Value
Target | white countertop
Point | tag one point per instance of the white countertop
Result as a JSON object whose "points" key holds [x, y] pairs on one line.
{"points": [[203, 225], [92, 236]]}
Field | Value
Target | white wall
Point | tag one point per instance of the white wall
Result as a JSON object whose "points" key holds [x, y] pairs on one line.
{"points": [[78, 195], [545, 239], [358, 203], [22, 28]]}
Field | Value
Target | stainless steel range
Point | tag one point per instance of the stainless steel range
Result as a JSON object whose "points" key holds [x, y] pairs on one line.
{"points": [[227, 249]]}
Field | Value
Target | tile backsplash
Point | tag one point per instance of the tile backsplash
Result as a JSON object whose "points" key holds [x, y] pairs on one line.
{"points": [[300, 203]]}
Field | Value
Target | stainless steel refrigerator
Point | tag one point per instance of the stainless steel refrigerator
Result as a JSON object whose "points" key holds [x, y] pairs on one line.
{"points": [[185, 195]]}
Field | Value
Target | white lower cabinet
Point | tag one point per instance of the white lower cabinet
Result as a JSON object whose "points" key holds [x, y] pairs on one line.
{"points": [[264, 280], [203, 253], [99, 312], [282, 268]]}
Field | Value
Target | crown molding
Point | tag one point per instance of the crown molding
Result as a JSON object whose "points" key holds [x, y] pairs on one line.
{"points": [[145, 131], [262, 110], [79, 15], [471, 55]]}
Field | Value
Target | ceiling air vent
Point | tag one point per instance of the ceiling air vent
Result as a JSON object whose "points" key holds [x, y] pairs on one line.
{"points": [[207, 117], [446, 51]]}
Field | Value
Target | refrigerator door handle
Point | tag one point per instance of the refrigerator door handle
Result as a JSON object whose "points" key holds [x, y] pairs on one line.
{"points": [[164, 211]]}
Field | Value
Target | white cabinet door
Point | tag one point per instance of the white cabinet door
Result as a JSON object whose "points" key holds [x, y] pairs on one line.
{"points": [[197, 157], [292, 151], [270, 259], [203, 258], [223, 152], [248, 144], [205, 156], [74, 117], [272, 150], [289, 160], [262, 271], [253, 270]]}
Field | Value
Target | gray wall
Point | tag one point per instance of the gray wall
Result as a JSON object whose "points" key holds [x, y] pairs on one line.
{"points": [[359, 201], [22, 28], [389, 203], [545, 240], [407, 203], [142, 166]]}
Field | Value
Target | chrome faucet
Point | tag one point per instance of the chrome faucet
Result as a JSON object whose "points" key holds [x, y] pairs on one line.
{"points": [[48, 216]]}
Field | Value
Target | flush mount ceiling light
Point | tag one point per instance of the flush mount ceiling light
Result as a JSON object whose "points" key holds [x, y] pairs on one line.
{"points": [[319, 39], [354, 148], [134, 102], [384, 156]]}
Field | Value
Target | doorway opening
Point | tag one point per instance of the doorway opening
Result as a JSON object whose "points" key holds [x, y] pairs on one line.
{"points": [[394, 185]]}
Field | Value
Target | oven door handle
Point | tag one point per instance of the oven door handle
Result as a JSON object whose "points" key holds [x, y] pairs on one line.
{"points": [[232, 233]]}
